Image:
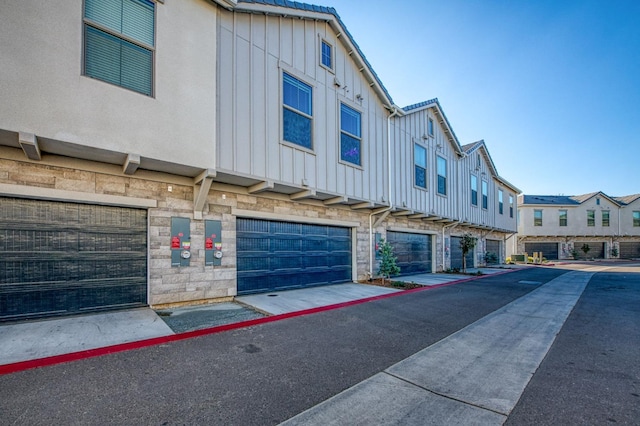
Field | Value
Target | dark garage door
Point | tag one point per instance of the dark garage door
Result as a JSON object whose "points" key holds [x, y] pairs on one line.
{"points": [[275, 255], [412, 250], [63, 258], [493, 246], [456, 254], [596, 250], [549, 250], [629, 250]]}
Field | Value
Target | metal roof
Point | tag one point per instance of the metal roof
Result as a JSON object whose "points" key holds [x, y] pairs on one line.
{"points": [[549, 199]]}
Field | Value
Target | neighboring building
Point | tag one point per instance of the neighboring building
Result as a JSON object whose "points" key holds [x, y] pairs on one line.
{"points": [[157, 153], [559, 226]]}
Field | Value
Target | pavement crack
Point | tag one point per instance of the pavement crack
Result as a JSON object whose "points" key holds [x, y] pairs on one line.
{"points": [[444, 395]]}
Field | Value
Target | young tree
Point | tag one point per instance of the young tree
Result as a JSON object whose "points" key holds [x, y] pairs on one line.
{"points": [[467, 243], [585, 248], [388, 265]]}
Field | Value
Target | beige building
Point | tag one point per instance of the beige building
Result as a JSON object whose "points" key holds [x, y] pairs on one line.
{"points": [[161, 152], [560, 226]]}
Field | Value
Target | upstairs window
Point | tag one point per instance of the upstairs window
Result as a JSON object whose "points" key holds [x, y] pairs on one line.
{"points": [[563, 218], [430, 127], [636, 218], [500, 202], [297, 111], [326, 55], [350, 135], [591, 218], [474, 190], [511, 206], [605, 217], [537, 218], [420, 166], [485, 194], [441, 167], [119, 40]]}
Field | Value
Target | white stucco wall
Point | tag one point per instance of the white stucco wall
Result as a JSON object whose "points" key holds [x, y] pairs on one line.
{"points": [[44, 92]]}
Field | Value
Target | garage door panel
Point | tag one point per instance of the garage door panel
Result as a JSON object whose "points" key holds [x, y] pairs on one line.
{"points": [[596, 249], [549, 250], [456, 254], [280, 255], [62, 258], [629, 249], [413, 251]]}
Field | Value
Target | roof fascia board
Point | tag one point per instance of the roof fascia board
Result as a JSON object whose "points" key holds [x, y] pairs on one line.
{"points": [[229, 4], [453, 140]]}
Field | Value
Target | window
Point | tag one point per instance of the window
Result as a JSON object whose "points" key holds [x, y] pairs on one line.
{"points": [[591, 218], [420, 166], [326, 54], [297, 111], [500, 202], [597, 201], [119, 43], [510, 205], [350, 135], [636, 218], [474, 190], [605, 217], [442, 175], [430, 127], [485, 194], [563, 218], [537, 218]]}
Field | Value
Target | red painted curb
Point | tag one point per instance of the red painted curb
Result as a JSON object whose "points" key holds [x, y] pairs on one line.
{"points": [[121, 347]]}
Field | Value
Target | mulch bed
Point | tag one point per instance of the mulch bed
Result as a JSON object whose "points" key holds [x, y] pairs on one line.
{"points": [[392, 284]]}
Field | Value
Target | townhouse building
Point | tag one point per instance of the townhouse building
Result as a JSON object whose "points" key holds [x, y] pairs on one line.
{"points": [[168, 152], [560, 226]]}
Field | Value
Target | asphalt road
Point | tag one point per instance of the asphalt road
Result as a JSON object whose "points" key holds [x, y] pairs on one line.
{"points": [[266, 374]]}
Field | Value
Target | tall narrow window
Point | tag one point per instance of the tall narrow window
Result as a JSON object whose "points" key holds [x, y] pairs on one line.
{"points": [[326, 54], [442, 175], [591, 218], [485, 194], [537, 218], [119, 38], [430, 127], [500, 202], [350, 135], [636, 218], [474, 190], [297, 111], [563, 218], [420, 166], [605, 217], [510, 205]]}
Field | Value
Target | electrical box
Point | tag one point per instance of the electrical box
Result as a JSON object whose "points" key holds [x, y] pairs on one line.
{"points": [[180, 241], [213, 243]]}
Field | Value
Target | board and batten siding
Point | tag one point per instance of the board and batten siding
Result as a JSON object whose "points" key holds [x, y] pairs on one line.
{"points": [[254, 51], [407, 131]]}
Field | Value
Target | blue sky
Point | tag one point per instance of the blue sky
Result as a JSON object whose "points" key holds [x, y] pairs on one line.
{"points": [[553, 87]]}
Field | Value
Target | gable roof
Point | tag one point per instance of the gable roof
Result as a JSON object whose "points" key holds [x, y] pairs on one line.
{"points": [[573, 200], [627, 199], [442, 118], [312, 11]]}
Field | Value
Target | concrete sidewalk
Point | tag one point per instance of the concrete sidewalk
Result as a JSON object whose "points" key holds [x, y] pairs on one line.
{"points": [[474, 376]]}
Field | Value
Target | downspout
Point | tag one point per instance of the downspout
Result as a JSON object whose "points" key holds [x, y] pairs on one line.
{"points": [[385, 210], [451, 225]]}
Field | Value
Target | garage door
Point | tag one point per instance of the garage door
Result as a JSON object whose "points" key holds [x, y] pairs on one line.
{"points": [[456, 254], [629, 250], [596, 250], [493, 246], [549, 250], [275, 255], [62, 258], [412, 250]]}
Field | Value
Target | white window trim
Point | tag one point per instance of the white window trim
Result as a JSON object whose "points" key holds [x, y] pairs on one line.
{"points": [[284, 68], [333, 54], [426, 169], [357, 108], [446, 178]]}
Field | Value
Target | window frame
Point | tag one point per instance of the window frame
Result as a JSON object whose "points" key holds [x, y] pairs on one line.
{"points": [[537, 221], [511, 206], [439, 177], [636, 218], [591, 218], [606, 223], [474, 190], [293, 109], [565, 213], [430, 127], [97, 26], [349, 134], [331, 67], [500, 201], [485, 194], [416, 166]]}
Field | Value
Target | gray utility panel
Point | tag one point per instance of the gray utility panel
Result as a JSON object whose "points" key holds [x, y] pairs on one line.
{"points": [[61, 258], [413, 251], [456, 254], [493, 246], [549, 250], [274, 255], [629, 249]]}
